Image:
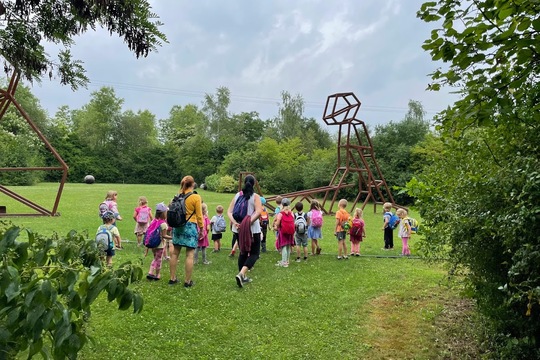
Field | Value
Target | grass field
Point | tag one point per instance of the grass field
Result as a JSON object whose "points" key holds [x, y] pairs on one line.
{"points": [[372, 307]]}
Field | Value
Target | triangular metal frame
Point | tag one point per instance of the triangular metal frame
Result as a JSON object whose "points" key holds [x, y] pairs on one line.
{"points": [[7, 98]]}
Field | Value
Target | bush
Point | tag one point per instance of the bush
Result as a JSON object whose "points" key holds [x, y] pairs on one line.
{"points": [[227, 184], [212, 182], [46, 288]]}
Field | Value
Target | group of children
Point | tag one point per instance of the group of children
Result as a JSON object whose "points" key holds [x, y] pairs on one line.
{"points": [[290, 229]]}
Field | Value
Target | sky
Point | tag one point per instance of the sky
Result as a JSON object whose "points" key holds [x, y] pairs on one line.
{"points": [[258, 49]]}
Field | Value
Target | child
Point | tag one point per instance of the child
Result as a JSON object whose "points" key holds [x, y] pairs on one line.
{"points": [[301, 222], [404, 231], [108, 220], [160, 222], [284, 226], [111, 205], [357, 232], [263, 219], [143, 217], [279, 200], [342, 219], [388, 231], [315, 227], [203, 238], [216, 235]]}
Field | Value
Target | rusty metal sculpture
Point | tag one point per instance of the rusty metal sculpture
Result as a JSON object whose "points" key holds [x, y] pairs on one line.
{"points": [[7, 97], [356, 164]]}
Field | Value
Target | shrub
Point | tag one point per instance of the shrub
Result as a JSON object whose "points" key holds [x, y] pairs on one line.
{"points": [[46, 288]]}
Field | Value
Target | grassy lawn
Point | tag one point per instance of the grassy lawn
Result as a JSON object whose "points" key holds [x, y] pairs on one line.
{"points": [[371, 307]]}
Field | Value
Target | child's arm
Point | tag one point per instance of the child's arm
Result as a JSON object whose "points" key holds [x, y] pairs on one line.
{"points": [[338, 224], [165, 235], [135, 212], [151, 216], [385, 225], [407, 228]]}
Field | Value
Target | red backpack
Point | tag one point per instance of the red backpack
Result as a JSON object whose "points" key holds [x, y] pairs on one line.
{"points": [[357, 228], [287, 223]]}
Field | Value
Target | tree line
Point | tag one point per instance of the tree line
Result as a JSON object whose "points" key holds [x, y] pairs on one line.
{"points": [[288, 152]]}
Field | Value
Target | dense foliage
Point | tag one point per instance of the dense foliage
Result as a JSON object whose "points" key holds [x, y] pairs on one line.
{"points": [[480, 193], [47, 287]]}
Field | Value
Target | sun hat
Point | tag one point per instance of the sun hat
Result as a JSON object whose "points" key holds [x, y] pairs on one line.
{"points": [[285, 202], [161, 207]]}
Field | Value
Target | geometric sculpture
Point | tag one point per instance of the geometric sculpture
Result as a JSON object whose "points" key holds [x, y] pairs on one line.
{"points": [[356, 163], [7, 97]]}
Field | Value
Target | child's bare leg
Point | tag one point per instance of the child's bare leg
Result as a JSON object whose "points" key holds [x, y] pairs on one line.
{"points": [[305, 252]]}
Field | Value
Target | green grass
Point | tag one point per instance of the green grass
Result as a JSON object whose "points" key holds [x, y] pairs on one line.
{"points": [[371, 307]]}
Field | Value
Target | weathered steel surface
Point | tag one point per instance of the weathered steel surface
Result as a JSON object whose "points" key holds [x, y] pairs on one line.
{"points": [[7, 98]]}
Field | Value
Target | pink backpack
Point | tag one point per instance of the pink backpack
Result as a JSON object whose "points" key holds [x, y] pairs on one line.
{"points": [[316, 218], [143, 214]]}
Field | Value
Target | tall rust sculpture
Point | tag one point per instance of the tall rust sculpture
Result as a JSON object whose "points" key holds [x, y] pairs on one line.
{"points": [[7, 98], [356, 164]]}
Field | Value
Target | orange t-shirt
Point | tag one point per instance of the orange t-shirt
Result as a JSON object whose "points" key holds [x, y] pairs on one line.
{"points": [[341, 216]]}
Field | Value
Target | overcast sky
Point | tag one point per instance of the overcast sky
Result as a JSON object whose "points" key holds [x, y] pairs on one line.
{"points": [[258, 49]]}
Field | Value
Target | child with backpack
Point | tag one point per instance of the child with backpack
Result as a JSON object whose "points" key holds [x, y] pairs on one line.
{"points": [[142, 216], [300, 230], [315, 217], [342, 225], [284, 225], [109, 204], [390, 223], [264, 221], [218, 226], [404, 231], [202, 243], [107, 235], [158, 229], [357, 232]]}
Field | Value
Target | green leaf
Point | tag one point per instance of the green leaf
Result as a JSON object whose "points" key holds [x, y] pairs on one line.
{"points": [[125, 301], [35, 347], [138, 303], [12, 291]]}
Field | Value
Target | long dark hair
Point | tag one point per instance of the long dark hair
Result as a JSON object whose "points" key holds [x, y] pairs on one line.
{"points": [[249, 184]]}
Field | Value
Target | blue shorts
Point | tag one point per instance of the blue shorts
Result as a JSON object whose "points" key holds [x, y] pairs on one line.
{"points": [[341, 235], [186, 235]]}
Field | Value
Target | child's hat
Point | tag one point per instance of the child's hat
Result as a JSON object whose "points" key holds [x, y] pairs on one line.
{"points": [[263, 200], [285, 202], [161, 207]]}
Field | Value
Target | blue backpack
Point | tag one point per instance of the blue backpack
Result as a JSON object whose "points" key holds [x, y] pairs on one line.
{"points": [[240, 208], [104, 238], [394, 220]]}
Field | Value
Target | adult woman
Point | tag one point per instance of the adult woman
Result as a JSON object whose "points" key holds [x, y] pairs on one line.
{"points": [[187, 235], [247, 231]]}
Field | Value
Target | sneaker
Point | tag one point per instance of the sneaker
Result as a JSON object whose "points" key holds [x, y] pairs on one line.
{"points": [[279, 263], [305, 258], [173, 282], [167, 258], [246, 280], [207, 262], [298, 259], [339, 258], [351, 254], [189, 284], [285, 265], [357, 254], [151, 277], [319, 251], [239, 280], [346, 257]]}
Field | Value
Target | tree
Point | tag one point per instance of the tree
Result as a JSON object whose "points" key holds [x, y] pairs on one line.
{"points": [[98, 120], [393, 144], [479, 194], [25, 25], [491, 48]]}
